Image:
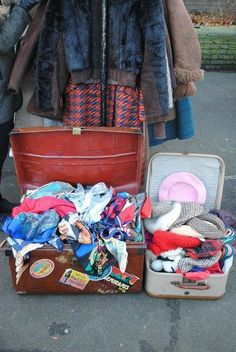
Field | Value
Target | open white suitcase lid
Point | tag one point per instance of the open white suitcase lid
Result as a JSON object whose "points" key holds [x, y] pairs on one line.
{"points": [[210, 169]]}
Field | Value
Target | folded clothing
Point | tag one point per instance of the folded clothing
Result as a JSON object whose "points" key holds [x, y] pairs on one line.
{"points": [[197, 276], [186, 264], [209, 225], [35, 228], [90, 202], [186, 230], [193, 215], [52, 189], [213, 219], [164, 241], [188, 211], [208, 249], [41, 205], [213, 269], [165, 221]]}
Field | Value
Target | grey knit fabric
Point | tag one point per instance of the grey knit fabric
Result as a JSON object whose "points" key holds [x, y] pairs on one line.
{"points": [[205, 229], [159, 209], [194, 215], [188, 211], [186, 264], [214, 219]]}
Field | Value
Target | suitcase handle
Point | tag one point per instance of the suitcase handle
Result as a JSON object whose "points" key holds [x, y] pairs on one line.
{"points": [[191, 285]]}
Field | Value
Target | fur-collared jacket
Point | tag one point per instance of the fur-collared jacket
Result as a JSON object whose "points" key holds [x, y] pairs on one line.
{"points": [[130, 21], [62, 53], [10, 31], [73, 27]]}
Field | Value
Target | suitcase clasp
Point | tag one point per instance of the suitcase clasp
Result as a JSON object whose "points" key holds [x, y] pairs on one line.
{"points": [[76, 131]]}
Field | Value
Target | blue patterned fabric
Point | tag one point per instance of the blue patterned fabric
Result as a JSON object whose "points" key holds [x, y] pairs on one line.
{"points": [[30, 227]]}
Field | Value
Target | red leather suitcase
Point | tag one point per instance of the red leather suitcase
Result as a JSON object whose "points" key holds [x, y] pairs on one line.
{"points": [[87, 156]]}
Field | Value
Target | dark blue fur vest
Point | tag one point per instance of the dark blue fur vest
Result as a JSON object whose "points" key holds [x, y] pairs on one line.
{"points": [[131, 23]]}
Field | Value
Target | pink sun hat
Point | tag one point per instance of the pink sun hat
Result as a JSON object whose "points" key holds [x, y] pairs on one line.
{"points": [[182, 187]]}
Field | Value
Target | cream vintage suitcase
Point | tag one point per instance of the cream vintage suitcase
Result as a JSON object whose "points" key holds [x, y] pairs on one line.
{"points": [[210, 169]]}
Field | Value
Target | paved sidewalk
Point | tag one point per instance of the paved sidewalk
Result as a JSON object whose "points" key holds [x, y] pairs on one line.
{"points": [[137, 322]]}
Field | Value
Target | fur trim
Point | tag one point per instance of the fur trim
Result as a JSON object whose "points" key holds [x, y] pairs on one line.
{"points": [[46, 55], [184, 90], [62, 19], [4, 11], [76, 20], [185, 76], [5, 7]]}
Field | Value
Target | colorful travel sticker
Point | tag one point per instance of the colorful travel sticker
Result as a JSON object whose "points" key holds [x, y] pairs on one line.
{"points": [[75, 279], [123, 281], [105, 274], [41, 268]]}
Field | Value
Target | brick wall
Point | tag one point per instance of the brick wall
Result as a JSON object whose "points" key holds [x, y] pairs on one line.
{"points": [[218, 48], [210, 5]]}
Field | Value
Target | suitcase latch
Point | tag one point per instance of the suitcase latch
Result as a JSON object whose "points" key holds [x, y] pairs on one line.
{"points": [[76, 131]]}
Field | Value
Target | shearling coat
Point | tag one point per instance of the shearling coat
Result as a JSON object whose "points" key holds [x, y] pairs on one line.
{"points": [[10, 31]]}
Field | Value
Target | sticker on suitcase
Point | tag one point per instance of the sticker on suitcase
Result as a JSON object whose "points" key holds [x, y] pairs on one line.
{"points": [[103, 276], [75, 279], [41, 268], [123, 281]]}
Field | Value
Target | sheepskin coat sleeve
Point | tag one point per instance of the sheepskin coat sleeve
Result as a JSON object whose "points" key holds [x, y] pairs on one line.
{"points": [[185, 48]]}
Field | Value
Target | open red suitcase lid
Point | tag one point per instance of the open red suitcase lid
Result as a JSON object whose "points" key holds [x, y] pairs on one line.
{"points": [[79, 155]]}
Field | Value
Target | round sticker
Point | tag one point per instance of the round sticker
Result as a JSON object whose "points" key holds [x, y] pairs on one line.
{"points": [[41, 268]]}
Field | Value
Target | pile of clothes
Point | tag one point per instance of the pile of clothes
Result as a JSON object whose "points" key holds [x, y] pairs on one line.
{"points": [[96, 221], [185, 237]]}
